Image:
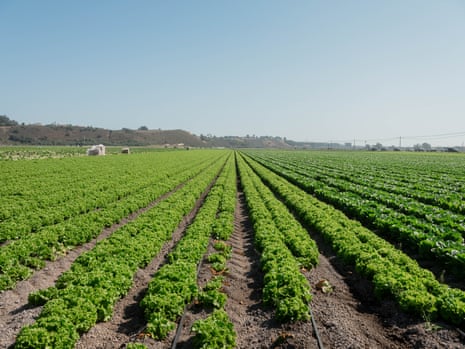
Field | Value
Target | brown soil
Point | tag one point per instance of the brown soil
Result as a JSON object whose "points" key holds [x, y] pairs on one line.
{"points": [[347, 317]]}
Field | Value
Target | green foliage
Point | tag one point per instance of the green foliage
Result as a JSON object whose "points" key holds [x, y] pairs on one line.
{"points": [[216, 331], [285, 287], [175, 284], [52, 332], [427, 218], [6, 121], [41, 297], [211, 295], [224, 247], [213, 298], [66, 205], [393, 273], [218, 261], [159, 325], [136, 346], [289, 292], [88, 291], [452, 306], [214, 284]]}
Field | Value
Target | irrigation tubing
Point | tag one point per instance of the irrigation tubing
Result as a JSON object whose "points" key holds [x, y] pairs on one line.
{"points": [[178, 330], [181, 321], [315, 330]]}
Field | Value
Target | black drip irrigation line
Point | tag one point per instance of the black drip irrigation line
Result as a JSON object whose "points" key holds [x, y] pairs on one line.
{"points": [[315, 330], [179, 328]]}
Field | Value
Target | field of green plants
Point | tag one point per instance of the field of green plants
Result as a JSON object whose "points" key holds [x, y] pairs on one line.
{"points": [[17, 152], [396, 219], [404, 208]]}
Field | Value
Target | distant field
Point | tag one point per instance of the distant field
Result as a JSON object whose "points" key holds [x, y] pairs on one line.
{"points": [[49, 152], [243, 246]]}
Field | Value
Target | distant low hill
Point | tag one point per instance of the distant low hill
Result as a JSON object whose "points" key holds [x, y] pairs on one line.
{"points": [[78, 135], [13, 133]]}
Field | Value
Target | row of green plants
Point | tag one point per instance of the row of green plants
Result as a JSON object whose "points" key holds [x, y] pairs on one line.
{"points": [[28, 219], [88, 291], [31, 177], [293, 234], [370, 188], [285, 287], [15, 153], [26, 178], [19, 258], [440, 170], [67, 188], [433, 180], [437, 191], [217, 330], [175, 284], [440, 241], [392, 272]]}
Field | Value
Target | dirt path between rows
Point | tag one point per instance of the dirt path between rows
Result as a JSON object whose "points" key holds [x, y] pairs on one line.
{"points": [[254, 321], [351, 317]]}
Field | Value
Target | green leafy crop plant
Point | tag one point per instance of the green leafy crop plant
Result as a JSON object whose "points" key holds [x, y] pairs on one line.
{"points": [[216, 331]]}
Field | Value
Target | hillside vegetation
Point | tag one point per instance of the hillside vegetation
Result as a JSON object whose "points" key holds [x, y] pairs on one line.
{"points": [[13, 133]]}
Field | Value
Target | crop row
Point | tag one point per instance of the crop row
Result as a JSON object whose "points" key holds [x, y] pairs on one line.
{"points": [[392, 273], [372, 188], [441, 240], [435, 173], [285, 287], [423, 180], [88, 291], [217, 330], [14, 153], [66, 188], [8, 153]]}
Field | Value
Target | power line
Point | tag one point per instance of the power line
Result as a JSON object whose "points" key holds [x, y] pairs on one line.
{"points": [[440, 136], [401, 139]]}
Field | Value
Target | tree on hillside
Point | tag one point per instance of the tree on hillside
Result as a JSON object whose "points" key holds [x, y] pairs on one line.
{"points": [[426, 146], [5, 121]]}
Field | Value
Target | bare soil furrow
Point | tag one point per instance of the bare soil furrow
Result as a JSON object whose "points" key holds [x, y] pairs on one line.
{"points": [[253, 321], [351, 317], [339, 319]]}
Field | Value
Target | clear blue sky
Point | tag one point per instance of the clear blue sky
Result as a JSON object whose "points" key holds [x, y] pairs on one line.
{"points": [[306, 70]]}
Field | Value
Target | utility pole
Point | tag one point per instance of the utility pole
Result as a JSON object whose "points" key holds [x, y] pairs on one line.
{"points": [[400, 142]]}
